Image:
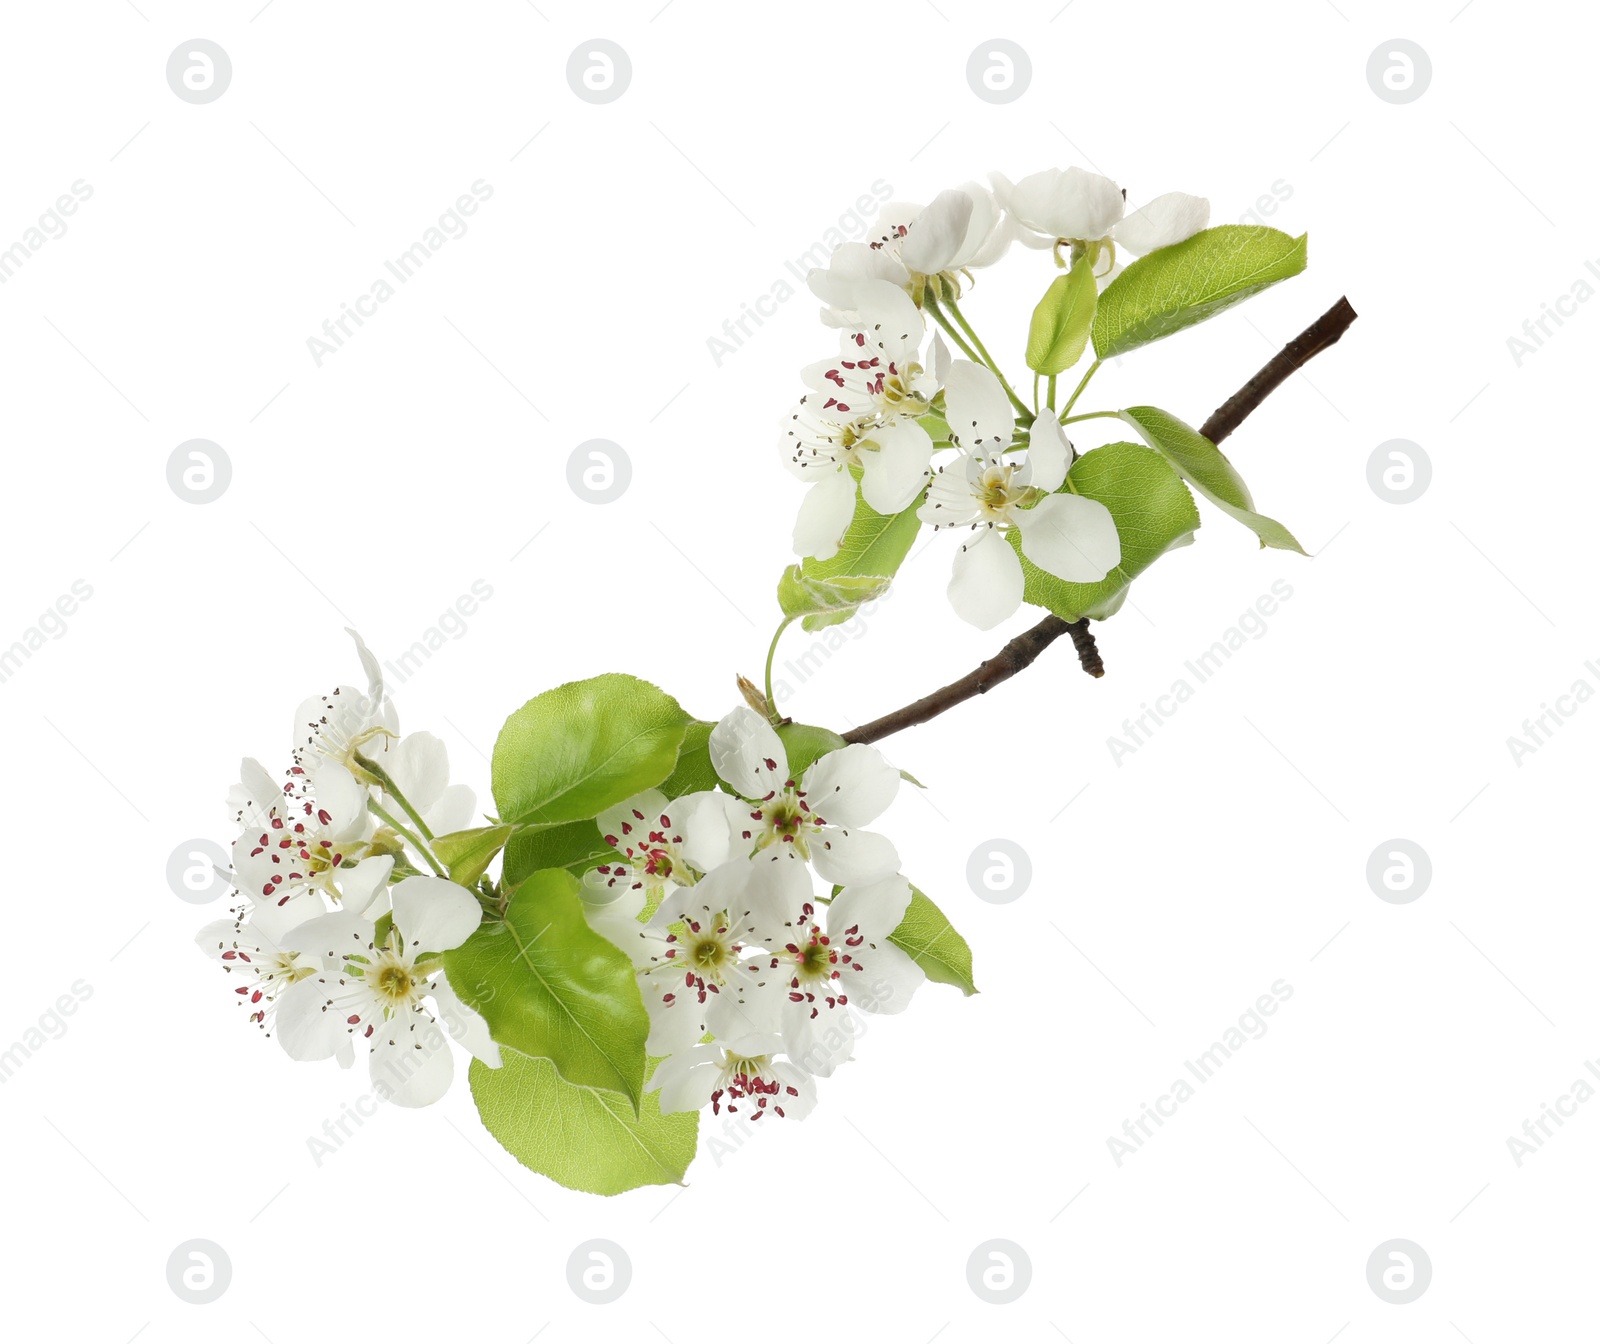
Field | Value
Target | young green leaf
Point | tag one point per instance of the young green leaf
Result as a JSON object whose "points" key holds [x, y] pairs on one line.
{"points": [[1060, 326], [694, 772], [1152, 509], [580, 1137], [552, 988], [468, 854], [874, 544], [1203, 465], [1175, 287], [930, 940], [572, 752], [826, 602], [804, 742], [573, 845]]}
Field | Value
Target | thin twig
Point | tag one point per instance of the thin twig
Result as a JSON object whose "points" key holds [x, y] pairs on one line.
{"points": [[1021, 651]]}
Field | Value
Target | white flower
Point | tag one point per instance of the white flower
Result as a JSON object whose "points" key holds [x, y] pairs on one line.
{"points": [[1068, 536], [379, 991], [745, 1072], [1086, 210], [294, 848], [817, 818], [334, 727], [419, 765], [695, 971], [861, 416], [828, 964], [663, 844]]}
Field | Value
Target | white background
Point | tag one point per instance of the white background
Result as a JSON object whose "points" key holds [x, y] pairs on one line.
{"points": [[1169, 890]]}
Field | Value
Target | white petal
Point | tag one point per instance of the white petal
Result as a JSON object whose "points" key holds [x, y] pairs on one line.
{"points": [[306, 1027], [748, 755], [622, 826], [344, 800], [986, 581], [434, 915], [892, 978], [842, 856], [465, 1023], [976, 408], [455, 810], [1162, 222], [874, 909], [894, 474], [709, 823], [685, 1080], [818, 1045], [950, 501], [1068, 203], [839, 285], [369, 665], [937, 233], [1048, 453], [411, 1063], [851, 786], [364, 889], [825, 515], [420, 767], [1071, 537]]}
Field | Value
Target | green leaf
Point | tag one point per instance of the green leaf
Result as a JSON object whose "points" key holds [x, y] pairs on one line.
{"points": [[1175, 287], [1060, 326], [572, 752], [573, 845], [873, 544], [552, 988], [579, 1137], [804, 742], [468, 854], [930, 940], [694, 772], [1202, 464], [825, 602], [1152, 509]]}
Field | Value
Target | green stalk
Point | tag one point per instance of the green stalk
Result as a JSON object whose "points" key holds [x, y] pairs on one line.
{"points": [[987, 358], [1078, 392], [772, 652], [379, 811]]}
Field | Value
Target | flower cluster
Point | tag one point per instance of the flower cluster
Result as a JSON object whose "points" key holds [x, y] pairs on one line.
{"points": [[876, 415]]}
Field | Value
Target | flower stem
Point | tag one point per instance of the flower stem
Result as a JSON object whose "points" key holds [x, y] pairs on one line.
{"points": [[1078, 391], [772, 652], [378, 810], [389, 787], [987, 358], [1050, 392], [931, 304], [1091, 415]]}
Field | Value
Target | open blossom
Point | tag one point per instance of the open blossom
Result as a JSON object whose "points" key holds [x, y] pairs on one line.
{"points": [[829, 958], [817, 818], [296, 847], [1066, 535], [1069, 205], [334, 727], [861, 416], [663, 844], [379, 991], [419, 765], [746, 1075]]}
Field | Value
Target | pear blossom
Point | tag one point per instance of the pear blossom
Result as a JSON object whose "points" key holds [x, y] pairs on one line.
{"points": [[334, 727], [1070, 206], [295, 848], [827, 963], [418, 764], [379, 991], [663, 844], [1066, 535], [818, 818], [746, 1072]]}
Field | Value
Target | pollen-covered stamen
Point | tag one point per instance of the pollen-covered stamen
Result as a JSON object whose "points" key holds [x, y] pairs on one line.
{"points": [[817, 962], [785, 818], [704, 955], [653, 850], [749, 1077], [262, 969]]}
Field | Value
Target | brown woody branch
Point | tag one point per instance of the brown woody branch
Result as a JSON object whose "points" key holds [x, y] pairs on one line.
{"points": [[1020, 652]]}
